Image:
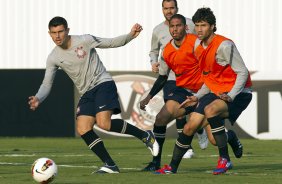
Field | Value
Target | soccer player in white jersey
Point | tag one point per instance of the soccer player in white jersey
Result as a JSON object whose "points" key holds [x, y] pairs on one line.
{"points": [[160, 38], [76, 55]]}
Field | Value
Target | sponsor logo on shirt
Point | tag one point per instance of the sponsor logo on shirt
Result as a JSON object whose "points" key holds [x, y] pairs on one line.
{"points": [[80, 53]]}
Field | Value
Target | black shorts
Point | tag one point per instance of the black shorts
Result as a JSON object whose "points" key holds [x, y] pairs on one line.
{"points": [[103, 97], [168, 88], [235, 108], [178, 94]]}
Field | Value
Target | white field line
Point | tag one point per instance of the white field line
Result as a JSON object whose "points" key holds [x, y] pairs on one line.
{"points": [[32, 155], [68, 166]]}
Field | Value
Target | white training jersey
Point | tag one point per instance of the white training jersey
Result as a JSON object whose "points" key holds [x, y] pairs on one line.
{"points": [[80, 62]]}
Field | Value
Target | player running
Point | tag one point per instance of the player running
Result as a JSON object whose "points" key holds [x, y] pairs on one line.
{"points": [[77, 56]]}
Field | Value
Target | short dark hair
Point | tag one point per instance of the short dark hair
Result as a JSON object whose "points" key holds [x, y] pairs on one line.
{"points": [[180, 17], [205, 14], [57, 21], [175, 2]]}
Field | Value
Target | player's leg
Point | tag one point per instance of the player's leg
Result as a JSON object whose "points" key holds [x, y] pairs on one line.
{"points": [[215, 113], [235, 143], [176, 97], [84, 126], [182, 143], [172, 108], [235, 108], [232, 140], [180, 123], [217, 110], [160, 125], [106, 100], [85, 120], [162, 119]]}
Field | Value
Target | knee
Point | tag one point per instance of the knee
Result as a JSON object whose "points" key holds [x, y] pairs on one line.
{"points": [[105, 125], [81, 130], [210, 111], [188, 130], [162, 119]]}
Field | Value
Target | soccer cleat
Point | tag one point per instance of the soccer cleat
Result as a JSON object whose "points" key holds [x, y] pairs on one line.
{"points": [[165, 170], [152, 166], [222, 166], [203, 140], [236, 145], [189, 154], [151, 143], [108, 170]]}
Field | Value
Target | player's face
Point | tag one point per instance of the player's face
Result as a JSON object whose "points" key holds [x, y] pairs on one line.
{"points": [[204, 30], [177, 29], [59, 34], [169, 9]]}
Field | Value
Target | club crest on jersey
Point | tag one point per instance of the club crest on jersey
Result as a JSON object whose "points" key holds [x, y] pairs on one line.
{"points": [[80, 53]]}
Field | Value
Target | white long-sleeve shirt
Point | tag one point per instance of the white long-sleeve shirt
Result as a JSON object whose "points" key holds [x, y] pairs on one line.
{"points": [[80, 62]]}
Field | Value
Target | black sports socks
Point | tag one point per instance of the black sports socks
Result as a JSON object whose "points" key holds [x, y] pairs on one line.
{"points": [[97, 146]]}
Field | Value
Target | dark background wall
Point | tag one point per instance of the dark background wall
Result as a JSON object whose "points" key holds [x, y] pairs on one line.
{"points": [[56, 115], [53, 118]]}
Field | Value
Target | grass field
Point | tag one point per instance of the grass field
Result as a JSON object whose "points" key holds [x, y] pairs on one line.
{"points": [[261, 162]]}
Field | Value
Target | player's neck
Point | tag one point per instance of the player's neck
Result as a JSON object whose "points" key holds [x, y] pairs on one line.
{"points": [[208, 40], [166, 22], [178, 43]]}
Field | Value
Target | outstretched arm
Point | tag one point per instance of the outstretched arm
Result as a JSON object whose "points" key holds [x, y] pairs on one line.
{"points": [[118, 41], [45, 88]]}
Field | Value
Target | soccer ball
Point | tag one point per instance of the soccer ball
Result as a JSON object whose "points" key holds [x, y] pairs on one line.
{"points": [[44, 170]]}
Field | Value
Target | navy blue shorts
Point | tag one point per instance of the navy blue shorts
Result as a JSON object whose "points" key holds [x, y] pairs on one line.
{"points": [[169, 87], [235, 108], [175, 93], [103, 97]]}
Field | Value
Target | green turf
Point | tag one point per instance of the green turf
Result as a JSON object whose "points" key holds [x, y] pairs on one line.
{"points": [[261, 163]]}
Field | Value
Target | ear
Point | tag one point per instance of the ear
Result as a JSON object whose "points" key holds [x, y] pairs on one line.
{"points": [[212, 27], [186, 28], [67, 30]]}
